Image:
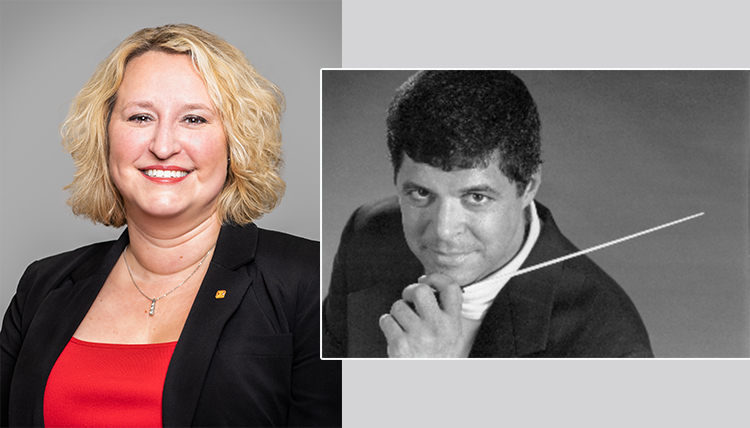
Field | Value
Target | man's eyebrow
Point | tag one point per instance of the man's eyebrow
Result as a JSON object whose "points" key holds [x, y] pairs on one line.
{"points": [[480, 188], [410, 185]]}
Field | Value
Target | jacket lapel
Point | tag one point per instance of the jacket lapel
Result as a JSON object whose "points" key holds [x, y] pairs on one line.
{"points": [[518, 321], [192, 356], [56, 320]]}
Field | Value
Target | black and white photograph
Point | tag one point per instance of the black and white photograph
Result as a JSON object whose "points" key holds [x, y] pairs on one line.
{"points": [[436, 173]]}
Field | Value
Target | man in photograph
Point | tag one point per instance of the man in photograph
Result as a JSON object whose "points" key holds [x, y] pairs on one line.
{"points": [[428, 273]]}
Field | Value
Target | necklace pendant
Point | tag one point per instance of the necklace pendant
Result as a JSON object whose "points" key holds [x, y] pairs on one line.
{"points": [[153, 306]]}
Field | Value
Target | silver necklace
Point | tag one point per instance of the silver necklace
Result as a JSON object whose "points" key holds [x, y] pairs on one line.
{"points": [[155, 299]]}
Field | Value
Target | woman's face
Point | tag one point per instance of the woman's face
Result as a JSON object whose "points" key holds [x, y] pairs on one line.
{"points": [[168, 150]]}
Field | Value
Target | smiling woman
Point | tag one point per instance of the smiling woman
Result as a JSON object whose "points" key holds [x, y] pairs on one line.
{"points": [[195, 316], [168, 151], [226, 91]]}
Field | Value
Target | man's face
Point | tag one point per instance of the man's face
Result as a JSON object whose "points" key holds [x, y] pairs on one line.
{"points": [[466, 223]]}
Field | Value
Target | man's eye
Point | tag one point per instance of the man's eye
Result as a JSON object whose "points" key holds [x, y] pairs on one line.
{"points": [[419, 194], [419, 197], [477, 199]]}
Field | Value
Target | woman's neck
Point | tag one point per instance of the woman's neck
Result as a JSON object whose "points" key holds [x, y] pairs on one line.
{"points": [[165, 251]]}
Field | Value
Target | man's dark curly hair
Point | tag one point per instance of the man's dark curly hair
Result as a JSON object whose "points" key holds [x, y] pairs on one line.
{"points": [[459, 119]]}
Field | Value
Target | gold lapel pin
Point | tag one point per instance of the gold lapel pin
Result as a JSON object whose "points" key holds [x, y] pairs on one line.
{"points": [[220, 294]]}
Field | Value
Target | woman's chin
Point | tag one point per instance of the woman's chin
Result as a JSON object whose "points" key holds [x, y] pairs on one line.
{"points": [[160, 211], [170, 212]]}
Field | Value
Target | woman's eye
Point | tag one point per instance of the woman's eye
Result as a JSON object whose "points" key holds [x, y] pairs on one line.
{"points": [[139, 118], [194, 120]]}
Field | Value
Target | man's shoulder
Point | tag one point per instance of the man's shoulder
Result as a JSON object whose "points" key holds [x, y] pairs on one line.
{"points": [[591, 275], [373, 244], [375, 228], [610, 324], [590, 305], [377, 217]]}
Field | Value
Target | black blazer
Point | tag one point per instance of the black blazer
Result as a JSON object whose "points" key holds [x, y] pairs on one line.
{"points": [[249, 359], [570, 309]]}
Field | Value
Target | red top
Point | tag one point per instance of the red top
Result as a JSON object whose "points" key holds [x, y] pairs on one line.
{"points": [[106, 384]]}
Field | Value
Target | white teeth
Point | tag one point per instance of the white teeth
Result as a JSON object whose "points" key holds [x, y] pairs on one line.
{"points": [[160, 173]]}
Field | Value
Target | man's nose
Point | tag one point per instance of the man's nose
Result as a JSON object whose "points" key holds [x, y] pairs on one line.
{"points": [[165, 142], [447, 220]]}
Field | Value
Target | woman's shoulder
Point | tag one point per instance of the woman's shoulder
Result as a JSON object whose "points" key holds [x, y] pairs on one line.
{"points": [[242, 243], [64, 263], [286, 257], [272, 243], [49, 273]]}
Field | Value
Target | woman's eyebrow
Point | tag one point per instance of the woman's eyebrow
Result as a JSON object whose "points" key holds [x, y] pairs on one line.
{"points": [[150, 105], [140, 104], [196, 106]]}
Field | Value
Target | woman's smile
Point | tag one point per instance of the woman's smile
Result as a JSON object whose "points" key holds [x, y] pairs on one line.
{"points": [[165, 174]]}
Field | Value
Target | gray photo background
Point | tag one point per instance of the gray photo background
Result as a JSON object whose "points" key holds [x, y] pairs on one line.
{"points": [[623, 151], [49, 49]]}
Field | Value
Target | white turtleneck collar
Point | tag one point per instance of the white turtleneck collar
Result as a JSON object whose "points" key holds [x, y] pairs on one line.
{"points": [[479, 296]]}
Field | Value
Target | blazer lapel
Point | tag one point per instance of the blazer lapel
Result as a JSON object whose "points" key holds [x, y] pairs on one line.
{"points": [[518, 321], [57, 319], [192, 356]]}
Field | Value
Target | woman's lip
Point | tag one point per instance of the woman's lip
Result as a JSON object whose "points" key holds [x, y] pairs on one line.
{"points": [[164, 168], [165, 180]]}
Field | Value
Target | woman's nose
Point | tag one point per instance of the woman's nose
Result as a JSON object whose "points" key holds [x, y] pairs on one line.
{"points": [[165, 142]]}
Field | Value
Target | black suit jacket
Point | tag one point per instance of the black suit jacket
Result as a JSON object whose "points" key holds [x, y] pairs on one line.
{"points": [[249, 359], [570, 309]]}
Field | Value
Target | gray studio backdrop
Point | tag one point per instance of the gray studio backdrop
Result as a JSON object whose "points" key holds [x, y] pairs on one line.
{"points": [[623, 151], [49, 49]]}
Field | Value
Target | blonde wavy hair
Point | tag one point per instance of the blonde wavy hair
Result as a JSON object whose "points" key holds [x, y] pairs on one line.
{"points": [[250, 108]]}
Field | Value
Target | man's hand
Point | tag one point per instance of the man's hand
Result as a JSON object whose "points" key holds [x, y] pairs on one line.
{"points": [[434, 330]]}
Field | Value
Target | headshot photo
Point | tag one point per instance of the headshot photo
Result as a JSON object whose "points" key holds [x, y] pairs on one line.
{"points": [[443, 190], [146, 280]]}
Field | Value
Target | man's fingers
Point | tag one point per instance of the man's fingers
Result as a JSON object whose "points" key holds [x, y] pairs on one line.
{"points": [[438, 281], [450, 294], [451, 299], [404, 315], [418, 326], [422, 296], [391, 329], [398, 344]]}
